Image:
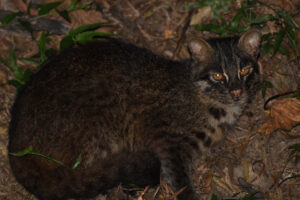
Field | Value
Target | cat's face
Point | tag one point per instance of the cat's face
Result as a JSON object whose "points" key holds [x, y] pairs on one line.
{"points": [[227, 67]]}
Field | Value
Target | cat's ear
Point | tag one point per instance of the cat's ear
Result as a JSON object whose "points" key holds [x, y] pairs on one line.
{"points": [[200, 50], [250, 41]]}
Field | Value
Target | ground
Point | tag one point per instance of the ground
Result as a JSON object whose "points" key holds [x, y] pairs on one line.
{"points": [[246, 161]]}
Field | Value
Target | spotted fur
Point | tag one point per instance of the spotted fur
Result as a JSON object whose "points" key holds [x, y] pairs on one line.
{"points": [[133, 116]]}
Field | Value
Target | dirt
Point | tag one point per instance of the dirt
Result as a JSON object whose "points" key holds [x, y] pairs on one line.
{"points": [[246, 161]]}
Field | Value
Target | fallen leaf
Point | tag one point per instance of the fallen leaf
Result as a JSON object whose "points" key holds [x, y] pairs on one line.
{"points": [[168, 33], [204, 14], [284, 114]]}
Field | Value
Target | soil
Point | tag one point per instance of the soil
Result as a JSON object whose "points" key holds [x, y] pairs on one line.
{"points": [[245, 163]]}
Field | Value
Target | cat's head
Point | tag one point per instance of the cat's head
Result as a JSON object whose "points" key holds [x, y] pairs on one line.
{"points": [[225, 69]]}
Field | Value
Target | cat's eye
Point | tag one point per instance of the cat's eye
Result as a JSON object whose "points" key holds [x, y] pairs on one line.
{"points": [[245, 71], [217, 76]]}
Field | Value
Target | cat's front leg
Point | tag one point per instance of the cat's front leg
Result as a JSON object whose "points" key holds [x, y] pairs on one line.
{"points": [[174, 174], [176, 153]]}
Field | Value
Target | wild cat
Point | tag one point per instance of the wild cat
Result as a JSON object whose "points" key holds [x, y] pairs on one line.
{"points": [[134, 117]]}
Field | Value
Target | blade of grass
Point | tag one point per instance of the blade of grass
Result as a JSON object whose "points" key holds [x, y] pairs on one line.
{"points": [[278, 40], [46, 8], [8, 18], [42, 47]]}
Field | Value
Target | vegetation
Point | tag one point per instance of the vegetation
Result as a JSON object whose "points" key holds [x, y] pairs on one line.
{"points": [[30, 151], [80, 35], [222, 24], [245, 18]]}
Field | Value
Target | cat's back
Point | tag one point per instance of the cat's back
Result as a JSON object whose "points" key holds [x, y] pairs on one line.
{"points": [[91, 87], [108, 59]]}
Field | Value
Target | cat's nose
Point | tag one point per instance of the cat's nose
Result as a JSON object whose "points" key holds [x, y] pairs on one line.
{"points": [[236, 93]]}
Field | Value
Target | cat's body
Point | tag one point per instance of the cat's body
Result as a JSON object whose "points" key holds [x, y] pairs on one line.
{"points": [[132, 116]]}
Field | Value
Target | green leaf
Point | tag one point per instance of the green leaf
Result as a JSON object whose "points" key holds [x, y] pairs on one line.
{"points": [[238, 29], [4, 61], [20, 77], [295, 150], [292, 44], [262, 19], [267, 48], [214, 197], [64, 14], [297, 158], [90, 36], [84, 5], [51, 52], [237, 18], [46, 8], [27, 74], [247, 198], [268, 84], [267, 37], [251, 16], [73, 6], [72, 37], [242, 28], [267, 44], [77, 162], [288, 20], [30, 151], [295, 147], [278, 40], [251, 2], [66, 42], [84, 28], [17, 84], [48, 157], [42, 47], [26, 25], [195, 5], [297, 95], [132, 185], [29, 8], [27, 151], [8, 18], [298, 6], [215, 28], [13, 65], [290, 31], [283, 51], [30, 61], [264, 85]]}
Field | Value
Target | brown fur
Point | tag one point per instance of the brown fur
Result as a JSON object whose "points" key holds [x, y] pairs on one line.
{"points": [[132, 115]]}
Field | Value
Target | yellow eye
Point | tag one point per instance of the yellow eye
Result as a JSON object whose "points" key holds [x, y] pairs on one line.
{"points": [[245, 71], [217, 76]]}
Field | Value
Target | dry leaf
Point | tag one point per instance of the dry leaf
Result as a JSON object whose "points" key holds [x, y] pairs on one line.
{"points": [[204, 14], [285, 114], [168, 33]]}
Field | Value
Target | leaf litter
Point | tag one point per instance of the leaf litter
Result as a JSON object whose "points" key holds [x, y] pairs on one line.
{"points": [[257, 158]]}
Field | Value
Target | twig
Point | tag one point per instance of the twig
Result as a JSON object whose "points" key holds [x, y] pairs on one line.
{"points": [[291, 177], [279, 95], [155, 193], [182, 35]]}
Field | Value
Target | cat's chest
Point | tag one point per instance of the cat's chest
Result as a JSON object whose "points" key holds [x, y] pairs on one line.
{"points": [[216, 118], [223, 114]]}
